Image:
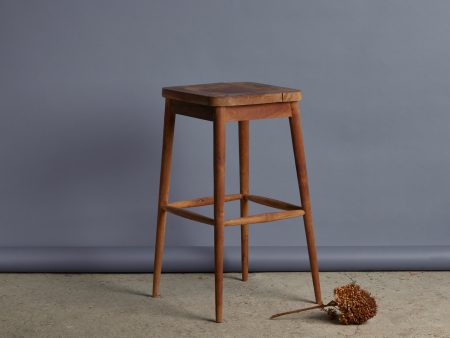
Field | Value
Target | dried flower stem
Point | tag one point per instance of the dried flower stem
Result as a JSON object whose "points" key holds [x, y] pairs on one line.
{"points": [[320, 306], [351, 305]]}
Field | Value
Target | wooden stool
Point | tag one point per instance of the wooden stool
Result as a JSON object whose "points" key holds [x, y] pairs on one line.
{"points": [[222, 103]]}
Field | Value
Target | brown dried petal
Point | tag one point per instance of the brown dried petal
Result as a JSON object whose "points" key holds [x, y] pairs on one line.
{"points": [[355, 304]]}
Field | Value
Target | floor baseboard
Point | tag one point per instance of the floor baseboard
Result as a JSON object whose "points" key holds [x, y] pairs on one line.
{"points": [[201, 259]]}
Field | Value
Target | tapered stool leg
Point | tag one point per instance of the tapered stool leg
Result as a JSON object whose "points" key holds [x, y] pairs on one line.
{"points": [[164, 185], [244, 190], [219, 203], [300, 164]]}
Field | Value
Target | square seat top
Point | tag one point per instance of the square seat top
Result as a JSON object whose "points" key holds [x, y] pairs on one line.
{"points": [[231, 94]]}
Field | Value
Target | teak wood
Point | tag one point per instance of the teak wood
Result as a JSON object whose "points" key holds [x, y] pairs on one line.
{"points": [[231, 94], [164, 184], [202, 201], [221, 103], [290, 210], [243, 127]]}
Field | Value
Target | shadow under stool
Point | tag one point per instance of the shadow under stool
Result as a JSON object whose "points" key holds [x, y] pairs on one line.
{"points": [[221, 103]]}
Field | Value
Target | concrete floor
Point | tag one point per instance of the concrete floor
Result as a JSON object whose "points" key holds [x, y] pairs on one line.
{"points": [[411, 304]]}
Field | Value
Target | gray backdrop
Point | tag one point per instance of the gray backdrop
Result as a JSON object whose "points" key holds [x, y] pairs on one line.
{"points": [[81, 128]]}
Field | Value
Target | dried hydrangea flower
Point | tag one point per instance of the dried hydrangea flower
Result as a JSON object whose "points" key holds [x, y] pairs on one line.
{"points": [[355, 304], [351, 305]]}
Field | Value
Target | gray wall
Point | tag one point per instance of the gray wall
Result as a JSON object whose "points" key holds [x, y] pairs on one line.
{"points": [[81, 125]]}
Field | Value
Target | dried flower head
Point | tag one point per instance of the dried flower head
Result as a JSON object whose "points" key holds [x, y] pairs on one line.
{"points": [[351, 305], [355, 304]]}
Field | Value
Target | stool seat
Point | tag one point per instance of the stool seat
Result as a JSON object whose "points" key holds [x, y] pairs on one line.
{"points": [[231, 94]]}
